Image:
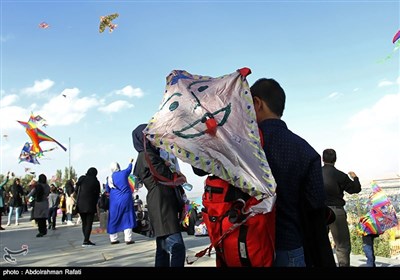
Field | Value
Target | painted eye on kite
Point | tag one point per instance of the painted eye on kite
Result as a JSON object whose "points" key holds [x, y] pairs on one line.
{"points": [[202, 88], [173, 106]]}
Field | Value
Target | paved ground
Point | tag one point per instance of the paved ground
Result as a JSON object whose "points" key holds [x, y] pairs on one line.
{"points": [[62, 248]]}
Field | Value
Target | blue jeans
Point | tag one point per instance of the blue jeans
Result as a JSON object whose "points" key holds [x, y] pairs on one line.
{"points": [[170, 246], [368, 248], [290, 258], [10, 213]]}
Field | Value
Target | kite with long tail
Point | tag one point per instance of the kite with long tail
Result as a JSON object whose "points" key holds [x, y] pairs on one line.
{"points": [[396, 43], [37, 136]]}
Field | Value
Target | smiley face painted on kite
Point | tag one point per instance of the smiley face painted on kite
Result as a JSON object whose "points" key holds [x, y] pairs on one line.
{"points": [[210, 123]]}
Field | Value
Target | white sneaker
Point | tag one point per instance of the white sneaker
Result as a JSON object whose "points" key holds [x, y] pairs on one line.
{"points": [[69, 223]]}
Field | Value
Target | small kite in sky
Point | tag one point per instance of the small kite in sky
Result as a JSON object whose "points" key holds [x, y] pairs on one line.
{"points": [[5, 136], [396, 37], [44, 25], [106, 21]]}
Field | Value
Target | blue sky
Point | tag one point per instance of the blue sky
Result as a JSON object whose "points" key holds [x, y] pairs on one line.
{"points": [[327, 55]]}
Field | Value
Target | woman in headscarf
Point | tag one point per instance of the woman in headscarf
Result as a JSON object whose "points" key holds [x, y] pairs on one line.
{"points": [[40, 193], [121, 214], [88, 192], [162, 201], [70, 199], [15, 203]]}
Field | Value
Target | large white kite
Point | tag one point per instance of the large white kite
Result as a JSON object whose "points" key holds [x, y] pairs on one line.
{"points": [[210, 123]]}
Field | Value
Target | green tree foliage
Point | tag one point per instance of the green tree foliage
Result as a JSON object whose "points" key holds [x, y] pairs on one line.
{"points": [[69, 173]]}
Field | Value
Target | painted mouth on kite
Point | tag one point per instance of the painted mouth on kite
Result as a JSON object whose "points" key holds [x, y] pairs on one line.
{"points": [[207, 124]]}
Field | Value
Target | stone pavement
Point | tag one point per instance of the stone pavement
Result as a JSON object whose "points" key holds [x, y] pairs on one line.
{"points": [[63, 248]]}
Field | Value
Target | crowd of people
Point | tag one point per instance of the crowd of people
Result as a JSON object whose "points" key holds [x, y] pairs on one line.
{"points": [[306, 191]]}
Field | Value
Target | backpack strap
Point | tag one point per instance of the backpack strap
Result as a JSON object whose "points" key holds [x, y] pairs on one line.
{"points": [[224, 235]]}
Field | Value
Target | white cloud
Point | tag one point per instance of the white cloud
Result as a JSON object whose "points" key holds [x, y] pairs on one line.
{"points": [[8, 100], [334, 95], [384, 112], [130, 92], [9, 116], [116, 106], [39, 86], [371, 140], [385, 83], [67, 108]]}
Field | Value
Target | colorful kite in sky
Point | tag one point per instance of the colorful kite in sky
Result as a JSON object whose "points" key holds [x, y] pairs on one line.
{"points": [[381, 216], [26, 154], [31, 151], [210, 123], [395, 41], [396, 37], [43, 25], [106, 21]]}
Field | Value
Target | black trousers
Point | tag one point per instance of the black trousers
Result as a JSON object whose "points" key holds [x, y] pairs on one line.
{"points": [[52, 218], [42, 225], [87, 223]]}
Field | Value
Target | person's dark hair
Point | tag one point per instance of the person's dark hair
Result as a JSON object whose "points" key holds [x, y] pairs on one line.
{"points": [[329, 156], [40, 188], [272, 93], [69, 187], [42, 179], [92, 171]]}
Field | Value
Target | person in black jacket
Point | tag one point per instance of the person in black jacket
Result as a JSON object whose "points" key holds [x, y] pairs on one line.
{"points": [[336, 183], [88, 192], [163, 205], [15, 203], [301, 235]]}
